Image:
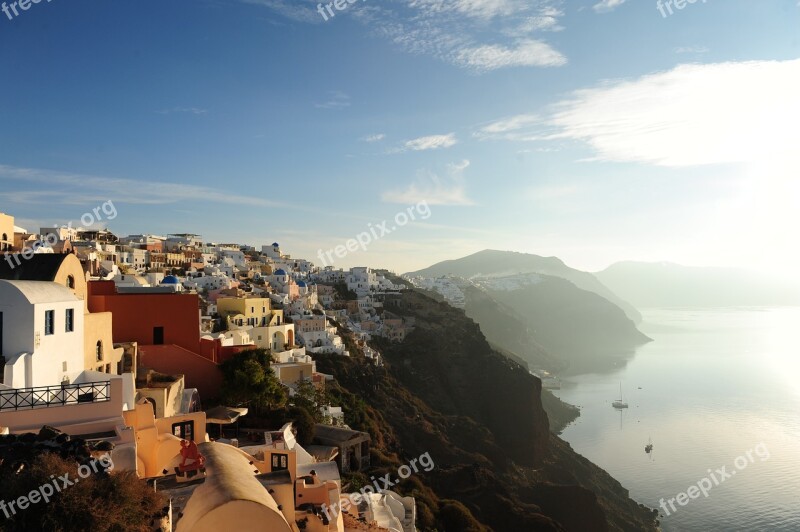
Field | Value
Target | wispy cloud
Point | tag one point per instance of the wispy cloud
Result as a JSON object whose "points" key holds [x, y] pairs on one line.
{"points": [[183, 110], [295, 10], [374, 138], [478, 35], [606, 6], [431, 142], [434, 189], [690, 115], [691, 50], [514, 128], [78, 189], [336, 100], [527, 52]]}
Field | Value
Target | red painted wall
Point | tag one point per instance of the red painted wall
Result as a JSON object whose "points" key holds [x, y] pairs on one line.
{"points": [[214, 350], [199, 372], [135, 315]]}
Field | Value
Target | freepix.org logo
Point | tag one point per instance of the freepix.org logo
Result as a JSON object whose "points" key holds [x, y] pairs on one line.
{"points": [[23, 5], [326, 10], [56, 485]]}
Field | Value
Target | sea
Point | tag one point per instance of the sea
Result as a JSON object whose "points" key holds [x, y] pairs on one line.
{"points": [[718, 394]]}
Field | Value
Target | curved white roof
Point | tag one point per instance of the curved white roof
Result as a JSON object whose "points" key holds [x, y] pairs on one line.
{"points": [[230, 493], [38, 291]]}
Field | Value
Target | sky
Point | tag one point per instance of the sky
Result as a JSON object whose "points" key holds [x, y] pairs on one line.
{"points": [[595, 131]]}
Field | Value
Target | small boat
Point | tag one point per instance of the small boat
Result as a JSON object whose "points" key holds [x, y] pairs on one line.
{"points": [[649, 447], [620, 403]]}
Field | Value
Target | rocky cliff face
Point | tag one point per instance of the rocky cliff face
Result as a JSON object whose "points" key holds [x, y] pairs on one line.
{"points": [[444, 391]]}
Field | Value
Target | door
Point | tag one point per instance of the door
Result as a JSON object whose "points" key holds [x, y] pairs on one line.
{"points": [[158, 335]]}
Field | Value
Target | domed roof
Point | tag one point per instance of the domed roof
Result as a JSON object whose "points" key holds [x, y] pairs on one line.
{"points": [[301, 284], [170, 279], [275, 245], [280, 272]]}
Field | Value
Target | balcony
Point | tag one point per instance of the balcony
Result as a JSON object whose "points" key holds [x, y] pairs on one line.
{"points": [[52, 396]]}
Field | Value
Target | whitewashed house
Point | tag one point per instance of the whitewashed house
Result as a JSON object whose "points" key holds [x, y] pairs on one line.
{"points": [[41, 333]]}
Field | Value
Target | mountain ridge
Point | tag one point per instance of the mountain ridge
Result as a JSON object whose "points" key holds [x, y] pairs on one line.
{"points": [[498, 263]]}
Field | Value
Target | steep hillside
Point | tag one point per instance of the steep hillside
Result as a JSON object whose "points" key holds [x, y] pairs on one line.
{"points": [[480, 416], [493, 263], [670, 285], [501, 326], [578, 327]]}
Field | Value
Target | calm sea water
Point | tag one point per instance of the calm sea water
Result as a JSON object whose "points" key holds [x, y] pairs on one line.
{"points": [[715, 384]]}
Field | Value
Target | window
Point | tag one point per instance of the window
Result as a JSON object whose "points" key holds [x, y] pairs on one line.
{"points": [[70, 321], [71, 282], [158, 335], [280, 462], [49, 322], [184, 430], [98, 350]]}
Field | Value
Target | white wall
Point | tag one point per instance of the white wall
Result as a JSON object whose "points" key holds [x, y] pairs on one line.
{"points": [[24, 332]]}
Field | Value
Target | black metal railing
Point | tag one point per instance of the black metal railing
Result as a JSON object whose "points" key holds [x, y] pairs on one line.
{"points": [[50, 396]]}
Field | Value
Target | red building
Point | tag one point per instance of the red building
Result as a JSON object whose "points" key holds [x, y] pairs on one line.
{"points": [[167, 328]]}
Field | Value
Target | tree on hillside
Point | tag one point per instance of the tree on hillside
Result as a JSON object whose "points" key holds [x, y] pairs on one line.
{"points": [[248, 380], [118, 502], [310, 398]]}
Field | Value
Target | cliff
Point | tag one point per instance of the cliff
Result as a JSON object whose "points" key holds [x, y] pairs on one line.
{"points": [[446, 392]]}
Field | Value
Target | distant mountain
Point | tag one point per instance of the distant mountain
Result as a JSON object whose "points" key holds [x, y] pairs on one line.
{"points": [[543, 318], [493, 263], [576, 327], [665, 284]]}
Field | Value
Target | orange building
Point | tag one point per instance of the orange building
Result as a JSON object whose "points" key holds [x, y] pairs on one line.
{"points": [[167, 328], [149, 318]]}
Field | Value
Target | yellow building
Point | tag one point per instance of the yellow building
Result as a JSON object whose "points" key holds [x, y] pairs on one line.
{"points": [[6, 232], [248, 312], [158, 440]]}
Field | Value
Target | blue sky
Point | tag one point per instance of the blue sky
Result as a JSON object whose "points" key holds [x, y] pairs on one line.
{"points": [[592, 131]]}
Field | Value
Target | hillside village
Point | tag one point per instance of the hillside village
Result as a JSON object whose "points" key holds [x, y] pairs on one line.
{"points": [[121, 341]]}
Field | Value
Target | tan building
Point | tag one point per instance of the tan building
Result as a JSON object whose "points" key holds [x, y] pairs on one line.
{"points": [[163, 392], [6, 232], [248, 312], [275, 486], [158, 440]]}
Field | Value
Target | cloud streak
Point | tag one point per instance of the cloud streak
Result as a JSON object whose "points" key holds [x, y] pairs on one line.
{"points": [[79, 189], [691, 115], [434, 189], [432, 142], [477, 35]]}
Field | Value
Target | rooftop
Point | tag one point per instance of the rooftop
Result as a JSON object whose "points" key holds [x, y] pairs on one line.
{"points": [[40, 267]]}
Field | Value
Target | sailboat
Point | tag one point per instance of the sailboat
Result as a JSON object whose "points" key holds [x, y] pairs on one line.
{"points": [[620, 403], [649, 447]]}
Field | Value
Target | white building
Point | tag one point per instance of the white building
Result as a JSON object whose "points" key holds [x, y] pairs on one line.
{"points": [[273, 251], [41, 333], [361, 280], [133, 258]]}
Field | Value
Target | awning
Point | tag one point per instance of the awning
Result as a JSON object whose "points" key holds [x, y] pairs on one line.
{"points": [[224, 415]]}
